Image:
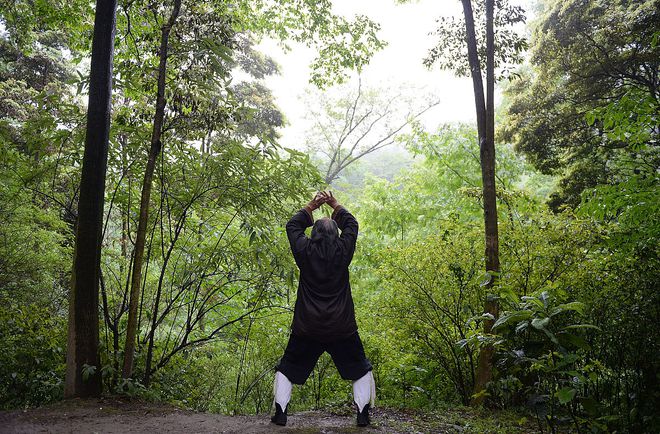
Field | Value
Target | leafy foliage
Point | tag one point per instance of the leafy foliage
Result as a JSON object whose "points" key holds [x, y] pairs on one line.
{"points": [[219, 202], [576, 341], [548, 359], [33, 253], [451, 50], [590, 100], [437, 280]]}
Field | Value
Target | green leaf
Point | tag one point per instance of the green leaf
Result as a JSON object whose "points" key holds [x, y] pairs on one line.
{"points": [[565, 394], [533, 301], [88, 371], [577, 341], [582, 326], [512, 317], [540, 324], [522, 326], [508, 293], [590, 118], [574, 306]]}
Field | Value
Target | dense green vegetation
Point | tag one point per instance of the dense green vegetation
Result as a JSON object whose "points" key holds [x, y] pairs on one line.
{"points": [[576, 342]]}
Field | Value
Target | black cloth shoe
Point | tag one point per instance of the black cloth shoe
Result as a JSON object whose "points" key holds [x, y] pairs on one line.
{"points": [[363, 416], [279, 418]]}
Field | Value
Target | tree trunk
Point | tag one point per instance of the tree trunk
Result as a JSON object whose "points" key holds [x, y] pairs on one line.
{"points": [[83, 333], [148, 370], [475, 70], [154, 150], [485, 108]]}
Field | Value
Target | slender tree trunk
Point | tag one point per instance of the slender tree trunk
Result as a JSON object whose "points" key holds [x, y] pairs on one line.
{"points": [[154, 150], [475, 70], [154, 314], [83, 334], [485, 108]]}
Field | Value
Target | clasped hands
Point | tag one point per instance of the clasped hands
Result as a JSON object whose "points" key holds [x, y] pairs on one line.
{"points": [[323, 197]]}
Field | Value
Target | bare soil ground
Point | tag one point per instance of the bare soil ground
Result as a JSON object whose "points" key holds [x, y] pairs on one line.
{"points": [[115, 415]]}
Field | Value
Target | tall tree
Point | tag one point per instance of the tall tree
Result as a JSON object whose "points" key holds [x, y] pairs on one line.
{"points": [[83, 373], [452, 55], [485, 128], [154, 150]]}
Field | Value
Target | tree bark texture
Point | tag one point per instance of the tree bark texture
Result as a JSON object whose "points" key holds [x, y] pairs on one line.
{"points": [[475, 69], [154, 151], [83, 333], [485, 108]]}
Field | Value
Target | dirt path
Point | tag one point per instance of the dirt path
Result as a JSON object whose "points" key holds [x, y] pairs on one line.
{"points": [[118, 416], [122, 415]]}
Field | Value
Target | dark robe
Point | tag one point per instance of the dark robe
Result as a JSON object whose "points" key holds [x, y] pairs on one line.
{"points": [[324, 307]]}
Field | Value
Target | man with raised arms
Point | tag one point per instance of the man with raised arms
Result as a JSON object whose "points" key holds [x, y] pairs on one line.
{"points": [[324, 316]]}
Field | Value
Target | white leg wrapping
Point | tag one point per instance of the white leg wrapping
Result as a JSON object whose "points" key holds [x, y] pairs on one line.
{"points": [[364, 390], [282, 390]]}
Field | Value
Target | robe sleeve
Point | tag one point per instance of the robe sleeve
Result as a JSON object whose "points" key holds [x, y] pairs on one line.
{"points": [[295, 231], [348, 225]]}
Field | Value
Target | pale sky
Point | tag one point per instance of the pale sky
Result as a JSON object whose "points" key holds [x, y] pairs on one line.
{"points": [[406, 29]]}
